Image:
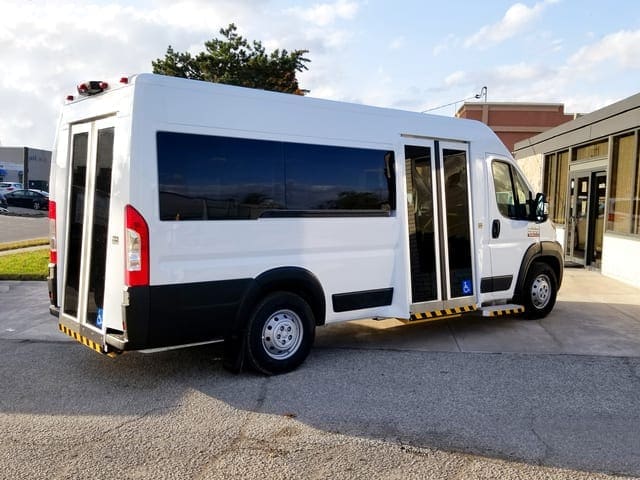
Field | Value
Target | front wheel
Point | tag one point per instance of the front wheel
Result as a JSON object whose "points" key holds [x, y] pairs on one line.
{"points": [[539, 291], [280, 333], [36, 205]]}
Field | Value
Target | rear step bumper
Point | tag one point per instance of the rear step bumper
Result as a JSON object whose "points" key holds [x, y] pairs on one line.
{"points": [[86, 336]]}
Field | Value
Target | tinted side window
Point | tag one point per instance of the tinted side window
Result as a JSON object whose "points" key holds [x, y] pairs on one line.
{"points": [[207, 178], [321, 177], [204, 177]]}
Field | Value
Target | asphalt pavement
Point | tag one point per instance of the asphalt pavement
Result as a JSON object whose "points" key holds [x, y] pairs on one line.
{"points": [[23, 224], [462, 398]]}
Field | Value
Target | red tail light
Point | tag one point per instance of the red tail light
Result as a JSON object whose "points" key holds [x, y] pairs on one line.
{"points": [[53, 244], [136, 248]]}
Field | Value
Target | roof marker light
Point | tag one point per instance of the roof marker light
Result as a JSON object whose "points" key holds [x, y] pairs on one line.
{"points": [[93, 87], [124, 80], [70, 98]]}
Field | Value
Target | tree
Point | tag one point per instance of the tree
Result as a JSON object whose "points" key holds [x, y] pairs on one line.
{"points": [[235, 61]]}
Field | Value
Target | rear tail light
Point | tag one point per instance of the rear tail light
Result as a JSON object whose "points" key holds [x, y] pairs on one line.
{"points": [[136, 248], [53, 244]]}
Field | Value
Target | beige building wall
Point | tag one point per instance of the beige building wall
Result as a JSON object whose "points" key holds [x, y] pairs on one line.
{"points": [[533, 168]]}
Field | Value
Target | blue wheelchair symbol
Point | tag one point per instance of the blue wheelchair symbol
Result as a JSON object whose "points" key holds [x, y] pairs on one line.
{"points": [[467, 288]]}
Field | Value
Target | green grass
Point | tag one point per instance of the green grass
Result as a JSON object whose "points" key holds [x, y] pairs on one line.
{"points": [[23, 244], [25, 265]]}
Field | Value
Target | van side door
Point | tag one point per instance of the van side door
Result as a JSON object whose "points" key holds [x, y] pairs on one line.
{"points": [[511, 232]]}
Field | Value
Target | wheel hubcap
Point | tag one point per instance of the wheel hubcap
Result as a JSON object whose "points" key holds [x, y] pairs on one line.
{"points": [[541, 291], [282, 334]]}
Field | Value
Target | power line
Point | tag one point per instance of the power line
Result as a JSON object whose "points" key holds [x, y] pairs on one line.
{"points": [[477, 96]]}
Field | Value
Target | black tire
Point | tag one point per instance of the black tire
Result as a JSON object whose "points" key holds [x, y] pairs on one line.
{"points": [[539, 291], [289, 318]]}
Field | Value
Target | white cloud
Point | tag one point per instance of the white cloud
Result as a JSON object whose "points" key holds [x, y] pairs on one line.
{"points": [[620, 48], [456, 78], [323, 14], [516, 19], [520, 72], [450, 41], [49, 47]]}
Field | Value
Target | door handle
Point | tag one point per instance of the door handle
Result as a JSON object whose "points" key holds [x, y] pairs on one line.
{"points": [[495, 229]]}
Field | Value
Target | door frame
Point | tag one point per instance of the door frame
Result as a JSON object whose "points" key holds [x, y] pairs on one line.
{"points": [[592, 170], [443, 274], [91, 127]]}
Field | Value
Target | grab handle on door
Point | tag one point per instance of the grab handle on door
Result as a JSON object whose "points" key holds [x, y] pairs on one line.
{"points": [[495, 229]]}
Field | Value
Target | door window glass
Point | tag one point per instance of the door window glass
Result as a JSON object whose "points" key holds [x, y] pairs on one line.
{"points": [[75, 219], [456, 193], [512, 191], [503, 188], [421, 218], [101, 200]]}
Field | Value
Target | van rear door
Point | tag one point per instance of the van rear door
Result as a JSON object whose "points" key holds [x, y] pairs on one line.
{"points": [[87, 219]]}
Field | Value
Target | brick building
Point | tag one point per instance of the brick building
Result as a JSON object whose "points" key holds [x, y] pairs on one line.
{"points": [[514, 122]]}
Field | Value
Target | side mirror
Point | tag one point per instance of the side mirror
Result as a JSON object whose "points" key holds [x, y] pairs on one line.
{"points": [[539, 211]]}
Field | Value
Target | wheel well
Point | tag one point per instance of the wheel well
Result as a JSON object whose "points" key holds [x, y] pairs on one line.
{"points": [[555, 266], [545, 252], [288, 279]]}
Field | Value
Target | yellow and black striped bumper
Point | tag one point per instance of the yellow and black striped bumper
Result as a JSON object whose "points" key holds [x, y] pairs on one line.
{"points": [[83, 340], [447, 312], [505, 311]]}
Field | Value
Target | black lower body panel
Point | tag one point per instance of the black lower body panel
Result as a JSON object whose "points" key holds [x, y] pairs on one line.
{"points": [[168, 315]]}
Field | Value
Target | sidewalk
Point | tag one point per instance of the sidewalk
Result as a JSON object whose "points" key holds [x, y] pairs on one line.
{"points": [[594, 315]]}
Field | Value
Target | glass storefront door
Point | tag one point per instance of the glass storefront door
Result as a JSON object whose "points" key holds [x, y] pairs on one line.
{"points": [[585, 219]]}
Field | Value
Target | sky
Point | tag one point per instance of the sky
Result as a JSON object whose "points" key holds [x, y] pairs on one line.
{"points": [[410, 54]]}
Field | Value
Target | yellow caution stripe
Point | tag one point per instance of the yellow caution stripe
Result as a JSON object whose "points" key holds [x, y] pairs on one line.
{"points": [[506, 311], [83, 340], [447, 312]]}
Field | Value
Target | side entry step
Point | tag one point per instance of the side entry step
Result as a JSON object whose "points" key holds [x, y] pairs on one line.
{"points": [[501, 310], [440, 314]]}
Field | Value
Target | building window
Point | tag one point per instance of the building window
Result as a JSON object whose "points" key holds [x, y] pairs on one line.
{"points": [[624, 195], [555, 184], [593, 150]]}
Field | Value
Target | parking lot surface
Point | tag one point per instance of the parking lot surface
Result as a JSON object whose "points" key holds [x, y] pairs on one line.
{"points": [[462, 398], [23, 224]]}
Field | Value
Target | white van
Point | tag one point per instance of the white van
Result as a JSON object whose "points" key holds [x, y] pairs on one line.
{"points": [[186, 212]]}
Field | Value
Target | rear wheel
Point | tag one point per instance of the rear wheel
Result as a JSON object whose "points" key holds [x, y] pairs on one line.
{"points": [[280, 333], [539, 291]]}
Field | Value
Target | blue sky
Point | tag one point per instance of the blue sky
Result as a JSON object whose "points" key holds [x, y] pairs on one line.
{"points": [[411, 54]]}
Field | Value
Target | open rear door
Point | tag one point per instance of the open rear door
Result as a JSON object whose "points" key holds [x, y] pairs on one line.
{"points": [[87, 220]]}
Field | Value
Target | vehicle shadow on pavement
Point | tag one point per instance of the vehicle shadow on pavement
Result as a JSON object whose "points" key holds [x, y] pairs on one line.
{"points": [[573, 411]]}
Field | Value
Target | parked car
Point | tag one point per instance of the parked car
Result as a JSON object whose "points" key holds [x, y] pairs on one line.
{"points": [[35, 199], [3, 204], [7, 187]]}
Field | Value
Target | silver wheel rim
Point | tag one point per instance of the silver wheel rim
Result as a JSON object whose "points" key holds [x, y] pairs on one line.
{"points": [[541, 291], [282, 334]]}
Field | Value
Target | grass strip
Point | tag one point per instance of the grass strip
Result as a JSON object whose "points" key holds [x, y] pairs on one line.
{"points": [[34, 242], [25, 265]]}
